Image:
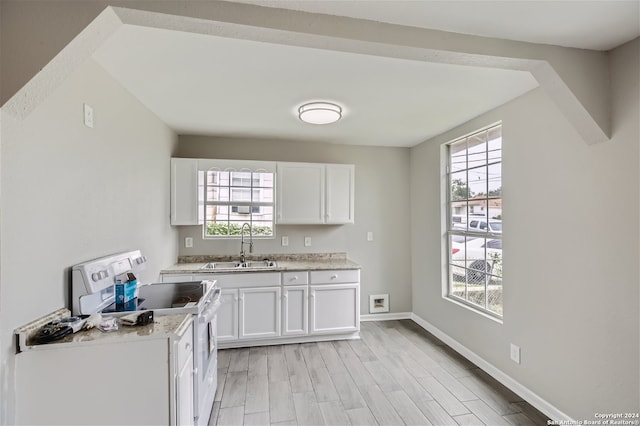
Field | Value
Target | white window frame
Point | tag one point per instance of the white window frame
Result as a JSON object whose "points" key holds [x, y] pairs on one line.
{"points": [[251, 204], [452, 228]]}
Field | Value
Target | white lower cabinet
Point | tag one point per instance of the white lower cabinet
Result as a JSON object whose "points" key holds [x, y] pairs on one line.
{"points": [[259, 312], [334, 308], [228, 315], [133, 376], [260, 307], [295, 310]]}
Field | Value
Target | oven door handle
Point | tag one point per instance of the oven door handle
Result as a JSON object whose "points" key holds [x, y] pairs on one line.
{"points": [[210, 312]]}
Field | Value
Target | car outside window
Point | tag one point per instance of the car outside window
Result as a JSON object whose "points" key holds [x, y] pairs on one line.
{"points": [[474, 245]]}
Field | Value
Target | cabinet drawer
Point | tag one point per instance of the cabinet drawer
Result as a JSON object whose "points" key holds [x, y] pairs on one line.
{"points": [[185, 347], [247, 279], [295, 278], [335, 276]]}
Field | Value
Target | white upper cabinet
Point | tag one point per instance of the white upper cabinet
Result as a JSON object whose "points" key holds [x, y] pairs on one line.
{"points": [[311, 193], [184, 191], [300, 193], [340, 193]]}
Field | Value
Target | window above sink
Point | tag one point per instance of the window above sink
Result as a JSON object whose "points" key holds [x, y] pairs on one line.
{"points": [[231, 197]]}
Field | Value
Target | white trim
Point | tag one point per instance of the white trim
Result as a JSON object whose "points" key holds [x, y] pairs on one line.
{"points": [[279, 340], [386, 317], [531, 397]]}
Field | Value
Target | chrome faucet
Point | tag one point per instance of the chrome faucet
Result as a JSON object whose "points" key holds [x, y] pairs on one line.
{"points": [[242, 258]]}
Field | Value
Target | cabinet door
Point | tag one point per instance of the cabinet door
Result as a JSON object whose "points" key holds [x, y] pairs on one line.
{"points": [[184, 191], [334, 308], [300, 193], [295, 310], [340, 193], [259, 312], [227, 328], [184, 393]]}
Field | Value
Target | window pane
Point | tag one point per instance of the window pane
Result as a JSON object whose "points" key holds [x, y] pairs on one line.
{"points": [[477, 150], [263, 195], [240, 194], [262, 228], [458, 156], [494, 296], [494, 176], [477, 182], [459, 190], [241, 179]]}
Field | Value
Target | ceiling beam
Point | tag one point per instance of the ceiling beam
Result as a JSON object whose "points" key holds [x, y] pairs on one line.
{"points": [[576, 80]]}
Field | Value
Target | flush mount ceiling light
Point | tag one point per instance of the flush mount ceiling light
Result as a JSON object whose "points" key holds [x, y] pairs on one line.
{"points": [[320, 112]]}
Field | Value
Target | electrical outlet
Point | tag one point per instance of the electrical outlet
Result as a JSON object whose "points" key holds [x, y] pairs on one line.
{"points": [[188, 242], [88, 116], [515, 353], [285, 241], [307, 241]]}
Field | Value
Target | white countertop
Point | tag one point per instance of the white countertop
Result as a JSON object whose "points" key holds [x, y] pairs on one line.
{"points": [[163, 326]]}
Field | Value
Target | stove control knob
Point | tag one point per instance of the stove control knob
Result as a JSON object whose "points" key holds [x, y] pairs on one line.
{"points": [[95, 276]]}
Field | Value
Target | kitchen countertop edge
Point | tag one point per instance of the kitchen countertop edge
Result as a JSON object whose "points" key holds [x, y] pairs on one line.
{"points": [[282, 266]]}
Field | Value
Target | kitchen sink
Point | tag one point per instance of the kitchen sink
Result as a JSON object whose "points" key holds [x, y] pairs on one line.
{"points": [[220, 265], [258, 264]]}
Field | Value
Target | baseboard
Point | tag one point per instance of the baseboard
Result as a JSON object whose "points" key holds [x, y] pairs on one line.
{"points": [[386, 316], [531, 397]]}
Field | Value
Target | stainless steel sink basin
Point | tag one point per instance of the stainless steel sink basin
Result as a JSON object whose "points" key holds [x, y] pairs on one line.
{"points": [[257, 264], [220, 265]]}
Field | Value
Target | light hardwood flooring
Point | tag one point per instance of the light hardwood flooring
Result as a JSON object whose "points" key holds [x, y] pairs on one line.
{"points": [[396, 374]]}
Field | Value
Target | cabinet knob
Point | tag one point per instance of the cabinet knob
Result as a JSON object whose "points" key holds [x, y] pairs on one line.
{"points": [[195, 371], [334, 277]]}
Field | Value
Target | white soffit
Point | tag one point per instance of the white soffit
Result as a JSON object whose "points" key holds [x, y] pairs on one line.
{"points": [[584, 24], [204, 84]]}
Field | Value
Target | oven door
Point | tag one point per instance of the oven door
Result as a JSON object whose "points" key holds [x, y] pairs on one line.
{"points": [[206, 360]]}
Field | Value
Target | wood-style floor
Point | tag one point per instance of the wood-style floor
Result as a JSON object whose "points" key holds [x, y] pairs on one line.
{"points": [[396, 374]]}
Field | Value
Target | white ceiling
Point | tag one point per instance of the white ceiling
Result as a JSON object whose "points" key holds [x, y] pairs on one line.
{"points": [[203, 84]]}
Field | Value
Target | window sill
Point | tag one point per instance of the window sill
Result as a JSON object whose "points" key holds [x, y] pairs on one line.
{"points": [[475, 309]]}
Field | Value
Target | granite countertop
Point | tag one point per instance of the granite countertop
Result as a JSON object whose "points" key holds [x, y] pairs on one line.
{"points": [[162, 326], [284, 262]]}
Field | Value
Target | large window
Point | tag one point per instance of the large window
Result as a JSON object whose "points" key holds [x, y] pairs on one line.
{"points": [[232, 198], [474, 230]]}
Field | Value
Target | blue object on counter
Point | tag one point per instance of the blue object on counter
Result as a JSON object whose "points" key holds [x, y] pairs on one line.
{"points": [[126, 291]]}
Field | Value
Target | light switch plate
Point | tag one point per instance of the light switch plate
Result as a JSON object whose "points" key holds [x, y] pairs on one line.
{"points": [[369, 236], [285, 241], [188, 242], [307, 241], [88, 116], [515, 353]]}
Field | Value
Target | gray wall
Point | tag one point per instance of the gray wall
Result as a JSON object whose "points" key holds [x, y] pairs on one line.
{"points": [[70, 194], [571, 276], [381, 206]]}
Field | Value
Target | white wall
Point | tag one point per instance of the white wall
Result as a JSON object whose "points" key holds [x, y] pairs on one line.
{"points": [[571, 279], [381, 206], [70, 194]]}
